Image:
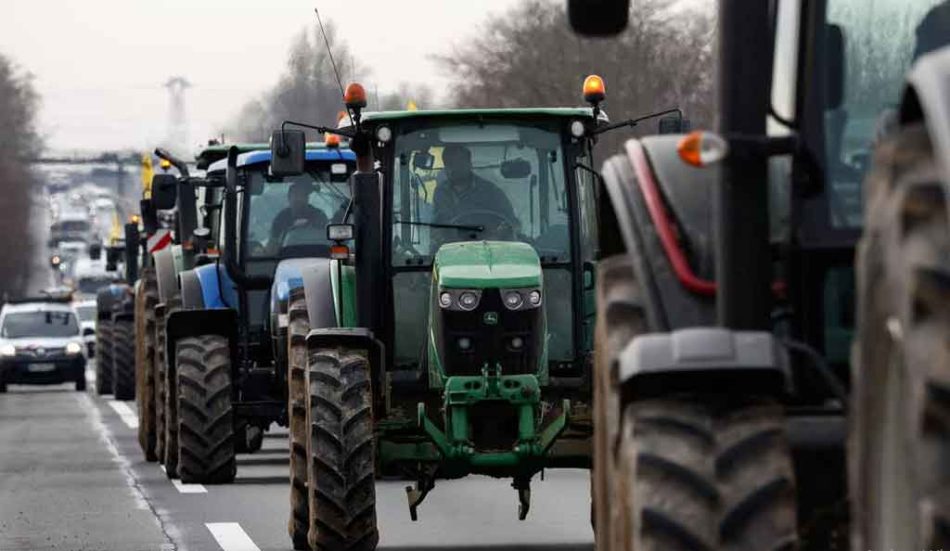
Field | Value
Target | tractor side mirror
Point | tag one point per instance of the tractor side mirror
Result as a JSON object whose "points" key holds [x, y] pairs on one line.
{"points": [[95, 251], [164, 191], [288, 150], [598, 17], [834, 70], [423, 160], [671, 124], [513, 169]]}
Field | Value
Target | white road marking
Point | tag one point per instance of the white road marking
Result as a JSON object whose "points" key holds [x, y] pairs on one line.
{"points": [[231, 537], [128, 416], [188, 488]]}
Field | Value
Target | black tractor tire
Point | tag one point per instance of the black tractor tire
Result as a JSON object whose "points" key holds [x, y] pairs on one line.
{"points": [[696, 474], [80, 383], [206, 418], [147, 298], [298, 326], [900, 409], [170, 381], [104, 356], [123, 359], [340, 444], [620, 317], [158, 371]]}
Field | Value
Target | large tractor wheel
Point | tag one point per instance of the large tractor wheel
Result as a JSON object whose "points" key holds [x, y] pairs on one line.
{"points": [[205, 417], [103, 356], [297, 395], [123, 359], [145, 362], [620, 318], [169, 377], [704, 475], [158, 372], [900, 429], [341, 474]]}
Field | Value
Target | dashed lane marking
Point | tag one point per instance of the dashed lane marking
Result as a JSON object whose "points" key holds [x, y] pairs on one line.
{"points": [[128, 416], [231, 537], [188, 488]]}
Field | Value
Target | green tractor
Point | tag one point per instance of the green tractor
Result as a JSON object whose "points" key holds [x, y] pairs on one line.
{"points": [[454, 335]]}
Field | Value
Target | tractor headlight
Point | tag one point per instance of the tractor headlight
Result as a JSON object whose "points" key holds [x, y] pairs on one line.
{"points": [[445, 299], [468, 301], [74, 348], [8, 350], [513, 300], [521, 299]]}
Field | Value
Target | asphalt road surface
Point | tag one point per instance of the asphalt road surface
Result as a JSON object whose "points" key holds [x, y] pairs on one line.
{"points": [[72, 477]]}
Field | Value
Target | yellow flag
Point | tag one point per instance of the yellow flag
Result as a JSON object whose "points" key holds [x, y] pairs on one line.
{"points": [[411, 106], [147, 173]]}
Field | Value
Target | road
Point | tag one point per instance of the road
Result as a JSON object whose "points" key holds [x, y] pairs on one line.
{"points": [[72, 477]]}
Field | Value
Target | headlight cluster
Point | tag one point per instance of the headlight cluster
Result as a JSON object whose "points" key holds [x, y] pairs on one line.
{"points": [[74, 348], [8, 350], [465, 300], [521, 299]]}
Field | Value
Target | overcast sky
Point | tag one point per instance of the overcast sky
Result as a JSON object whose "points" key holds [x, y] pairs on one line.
{"points": [[100, 64]]}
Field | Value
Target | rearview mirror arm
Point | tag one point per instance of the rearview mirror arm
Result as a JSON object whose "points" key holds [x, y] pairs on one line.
{"points": [[633, 122]]}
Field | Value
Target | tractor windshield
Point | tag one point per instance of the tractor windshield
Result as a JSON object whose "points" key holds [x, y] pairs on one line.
{"points": [[289, 217], [496, 181], [881, 39]]}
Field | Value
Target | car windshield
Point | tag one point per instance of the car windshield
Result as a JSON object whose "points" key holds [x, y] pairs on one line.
{"points": [[40, 324], [86, 313], [295, 211], [72, 226], [475, 181], [881, 40]]}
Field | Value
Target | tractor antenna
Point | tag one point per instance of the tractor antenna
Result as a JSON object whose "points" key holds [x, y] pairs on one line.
{"points": [[329, 51]]}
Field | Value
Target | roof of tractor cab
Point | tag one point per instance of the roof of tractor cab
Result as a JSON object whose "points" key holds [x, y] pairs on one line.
{"points": [[214, 153], [514, 113], [263, 156]]}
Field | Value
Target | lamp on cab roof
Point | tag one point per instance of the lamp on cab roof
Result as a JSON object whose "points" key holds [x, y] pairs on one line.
{"points": [[165, 164], [332, 141], [594, 90], [354, 96]]}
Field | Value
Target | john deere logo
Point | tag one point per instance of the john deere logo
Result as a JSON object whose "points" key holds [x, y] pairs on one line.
{"points": [[490, 318]]}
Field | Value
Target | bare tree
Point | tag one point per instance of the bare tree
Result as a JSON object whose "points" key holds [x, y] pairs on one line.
{"points": [[529, 57], [19, 143], [308, 91]]}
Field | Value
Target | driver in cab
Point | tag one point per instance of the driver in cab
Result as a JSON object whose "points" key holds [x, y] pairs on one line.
{"points": [[299, 213], [463, 193]]}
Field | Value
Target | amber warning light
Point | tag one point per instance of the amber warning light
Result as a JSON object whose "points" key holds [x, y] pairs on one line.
{"points": [[594, 90], [331, 140], [354, 96]]}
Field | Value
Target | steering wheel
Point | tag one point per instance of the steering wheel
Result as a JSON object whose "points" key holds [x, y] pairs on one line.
{"points": [[502, 229], [305, 228]]}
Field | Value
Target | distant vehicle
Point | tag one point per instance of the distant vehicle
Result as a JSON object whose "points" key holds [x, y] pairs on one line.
{"points": [[41, 343], [88, 276], [70, 226], [86, 309]]}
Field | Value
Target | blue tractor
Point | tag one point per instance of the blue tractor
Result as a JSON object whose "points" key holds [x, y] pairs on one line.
{"points": [[227, 345]]}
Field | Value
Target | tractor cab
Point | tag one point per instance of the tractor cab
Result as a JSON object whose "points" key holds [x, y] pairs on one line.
{"points": [[488, 241]]}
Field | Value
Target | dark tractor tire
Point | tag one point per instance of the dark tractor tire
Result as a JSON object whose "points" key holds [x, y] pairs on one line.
{"points": [[620, 317], [298, 326], [145, 362], [123, 359], [104, 357], [81, 383], [341, 473], [900, 417], [694, 475], [206, 419], [158, 371], [170, 381]]}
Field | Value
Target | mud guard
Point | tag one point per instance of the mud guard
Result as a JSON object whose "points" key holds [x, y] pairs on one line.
{"points": [[191, 294], [318, 290], [165, 274], [704, 360]]}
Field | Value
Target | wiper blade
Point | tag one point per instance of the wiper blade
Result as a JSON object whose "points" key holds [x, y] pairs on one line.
{"points": [[435, 225]]}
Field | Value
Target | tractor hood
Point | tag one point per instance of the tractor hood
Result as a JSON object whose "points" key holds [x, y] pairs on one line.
{"points": [[486, 265]]}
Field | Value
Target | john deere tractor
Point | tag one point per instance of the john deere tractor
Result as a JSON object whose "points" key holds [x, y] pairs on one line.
{"points": [[226, 345], [450, 334], [728, 302]]}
